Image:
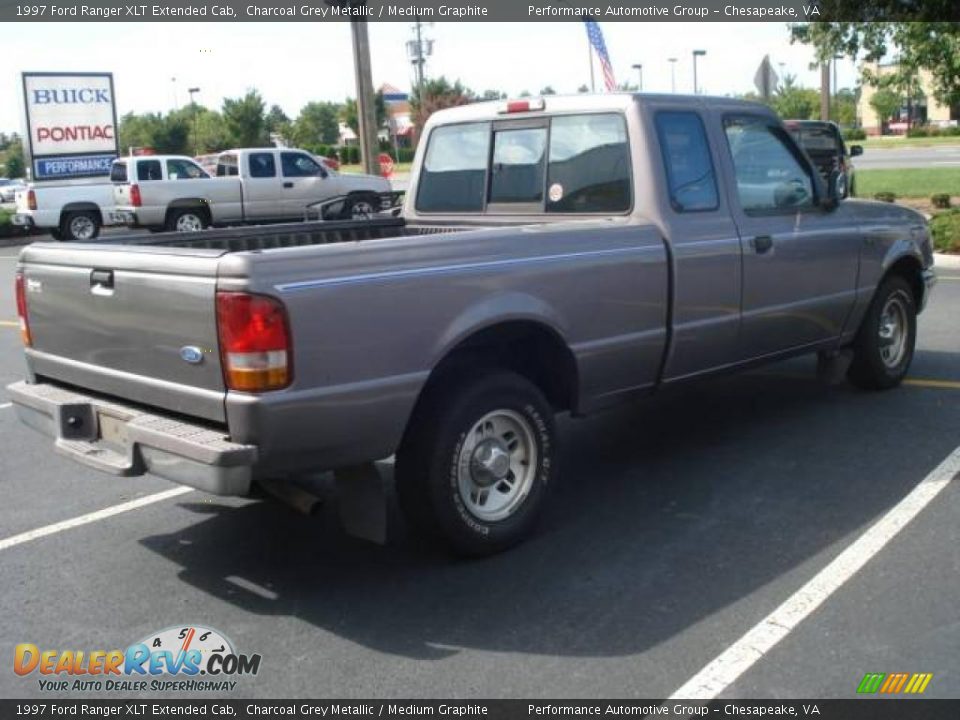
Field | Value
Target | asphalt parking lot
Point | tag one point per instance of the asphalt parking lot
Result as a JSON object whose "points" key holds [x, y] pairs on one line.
{"points": [[677, 526]]}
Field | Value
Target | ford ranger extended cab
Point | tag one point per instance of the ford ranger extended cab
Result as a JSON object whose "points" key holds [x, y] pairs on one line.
{"points": [[553, 255], [255, 185]]}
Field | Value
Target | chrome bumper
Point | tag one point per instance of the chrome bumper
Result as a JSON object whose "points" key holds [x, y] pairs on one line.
{"points": [[22, 220], [123, 217], [124, 440]]}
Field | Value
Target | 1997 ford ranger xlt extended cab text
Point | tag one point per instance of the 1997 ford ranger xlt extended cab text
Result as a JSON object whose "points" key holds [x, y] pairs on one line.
{"points": [[553, 255]]}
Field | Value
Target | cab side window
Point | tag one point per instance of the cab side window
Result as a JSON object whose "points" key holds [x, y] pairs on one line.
{"points": [[770, 176], [686, 158], [183, 170]]}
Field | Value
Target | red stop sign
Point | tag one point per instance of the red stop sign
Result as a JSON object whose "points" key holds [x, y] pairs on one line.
{"points": [[386, 165]]}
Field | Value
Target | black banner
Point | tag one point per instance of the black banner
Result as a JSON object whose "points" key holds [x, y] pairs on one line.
{"points": [[873, 709], [477, 10]]}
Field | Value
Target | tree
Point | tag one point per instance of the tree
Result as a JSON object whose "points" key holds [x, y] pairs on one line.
{"points": [[14, 165], [436, 94], [844, 107], [352, 119], [885, 102], [276, 120], [167, 135], [317, 124], [931, 46], [244, 120], [583, 89], [548, 90], [493, 95], [795, 102], [627, 86]]}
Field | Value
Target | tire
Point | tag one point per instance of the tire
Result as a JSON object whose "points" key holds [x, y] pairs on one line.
{"points": [[360, 207], [467, 440], [883, 348], [186, 220], [81, 225], [55, 233]]}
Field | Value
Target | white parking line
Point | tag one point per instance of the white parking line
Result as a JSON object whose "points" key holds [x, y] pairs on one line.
{"points": [[729, 665], [26, 537]]}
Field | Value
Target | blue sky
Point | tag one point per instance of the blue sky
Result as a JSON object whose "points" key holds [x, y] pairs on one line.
{"points": [[294, 63]]}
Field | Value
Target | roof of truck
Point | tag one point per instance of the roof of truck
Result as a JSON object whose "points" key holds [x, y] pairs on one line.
{"points": [[581, 102]]}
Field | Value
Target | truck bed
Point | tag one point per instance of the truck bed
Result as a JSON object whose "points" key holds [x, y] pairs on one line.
{"points": [[266, 237]]}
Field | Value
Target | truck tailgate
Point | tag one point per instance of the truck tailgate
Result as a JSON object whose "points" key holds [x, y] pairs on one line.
{"points": [[133, 322]]}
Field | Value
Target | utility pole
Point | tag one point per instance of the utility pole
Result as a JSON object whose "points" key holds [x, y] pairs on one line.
{"points": [[366, 99], [696, 54], [825, 91], [419, 59], [673, 74], [639, 68]]}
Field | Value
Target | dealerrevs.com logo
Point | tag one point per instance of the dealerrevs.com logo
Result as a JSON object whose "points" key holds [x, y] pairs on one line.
{"points": [[184, 658]]}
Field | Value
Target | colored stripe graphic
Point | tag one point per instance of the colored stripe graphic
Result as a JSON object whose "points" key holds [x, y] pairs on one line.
{"points": [[894, 683]]}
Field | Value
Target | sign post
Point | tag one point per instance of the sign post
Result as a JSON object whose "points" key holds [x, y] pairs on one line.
{"points": [[71, 125]]}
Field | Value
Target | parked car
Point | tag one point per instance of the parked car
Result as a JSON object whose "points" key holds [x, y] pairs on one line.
{"points": [[252, 186], [824, 144], [554, 255], [9, 189], [69, 210]]}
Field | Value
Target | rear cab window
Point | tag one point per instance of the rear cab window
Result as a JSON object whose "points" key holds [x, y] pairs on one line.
{"points": [[576, 163], [227, 165]]}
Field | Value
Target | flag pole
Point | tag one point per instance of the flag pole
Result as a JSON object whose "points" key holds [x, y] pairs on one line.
{"points": [[593, 86]]}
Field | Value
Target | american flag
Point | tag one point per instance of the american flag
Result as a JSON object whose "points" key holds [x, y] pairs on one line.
{"points": [[596, 40]]}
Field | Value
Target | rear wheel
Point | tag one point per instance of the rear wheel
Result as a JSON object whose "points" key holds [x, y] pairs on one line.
{"points": [[477, 461], [883, 349], [186, 220], [360, 207], [80, 225]]}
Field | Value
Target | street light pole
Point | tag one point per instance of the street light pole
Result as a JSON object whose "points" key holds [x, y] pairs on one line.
{"points": [[696, 54], [673, 74], [639, 68], [193, 109]]}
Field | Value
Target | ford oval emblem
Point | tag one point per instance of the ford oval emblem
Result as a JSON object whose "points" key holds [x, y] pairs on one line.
{"points": [[191, 354]]}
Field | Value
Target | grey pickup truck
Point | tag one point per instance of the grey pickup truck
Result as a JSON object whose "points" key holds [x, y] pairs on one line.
{"points": [[553, 255]]}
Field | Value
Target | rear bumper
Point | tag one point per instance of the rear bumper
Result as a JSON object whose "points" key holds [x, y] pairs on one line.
{"points": [[123, 217], [22, 220], [125, 440]]}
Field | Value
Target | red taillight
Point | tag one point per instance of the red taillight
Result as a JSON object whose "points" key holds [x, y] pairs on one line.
{"points": [[135, 198], [254, 342], [22, 310], [31, 200]]}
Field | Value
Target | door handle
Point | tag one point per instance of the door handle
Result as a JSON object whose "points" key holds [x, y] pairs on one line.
{"points": [[288, 185], [762, 244]]}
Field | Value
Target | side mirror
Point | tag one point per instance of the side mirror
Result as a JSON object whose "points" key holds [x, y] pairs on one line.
{"points": [[856, 150], [836, 189]]}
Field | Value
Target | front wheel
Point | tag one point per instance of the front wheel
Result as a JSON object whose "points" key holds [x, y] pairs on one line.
{"points": [[360, 207], [884, 346], [81, 225], [477, 462]]}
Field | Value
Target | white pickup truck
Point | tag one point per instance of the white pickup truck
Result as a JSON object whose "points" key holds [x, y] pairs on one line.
{"points": [[256, 185], [68, 211]]}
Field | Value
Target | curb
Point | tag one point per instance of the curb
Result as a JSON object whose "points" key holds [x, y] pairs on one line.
{"points": [[946, 261]]}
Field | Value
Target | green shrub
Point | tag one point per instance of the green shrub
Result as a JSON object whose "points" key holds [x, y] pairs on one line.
{"points": [[945, 228], [854, 134], [953, 131], [941, 201], [406, 155], [921, 132], [885, 196]]}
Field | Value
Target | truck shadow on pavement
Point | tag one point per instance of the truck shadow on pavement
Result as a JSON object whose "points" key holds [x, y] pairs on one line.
{"points": [[665, 513]]}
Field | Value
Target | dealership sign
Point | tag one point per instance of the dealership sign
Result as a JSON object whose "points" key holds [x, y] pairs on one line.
{"points": [[71, 124]]}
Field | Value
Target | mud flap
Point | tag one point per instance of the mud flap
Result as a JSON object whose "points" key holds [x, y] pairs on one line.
{"points": [[362, 501]]}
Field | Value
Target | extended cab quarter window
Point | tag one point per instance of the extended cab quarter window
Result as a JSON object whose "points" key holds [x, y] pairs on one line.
{"points": [[118, 172], [589, 164], [455, 169], [149, 170], [770, 176], [262, 165], [686, 157]]}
